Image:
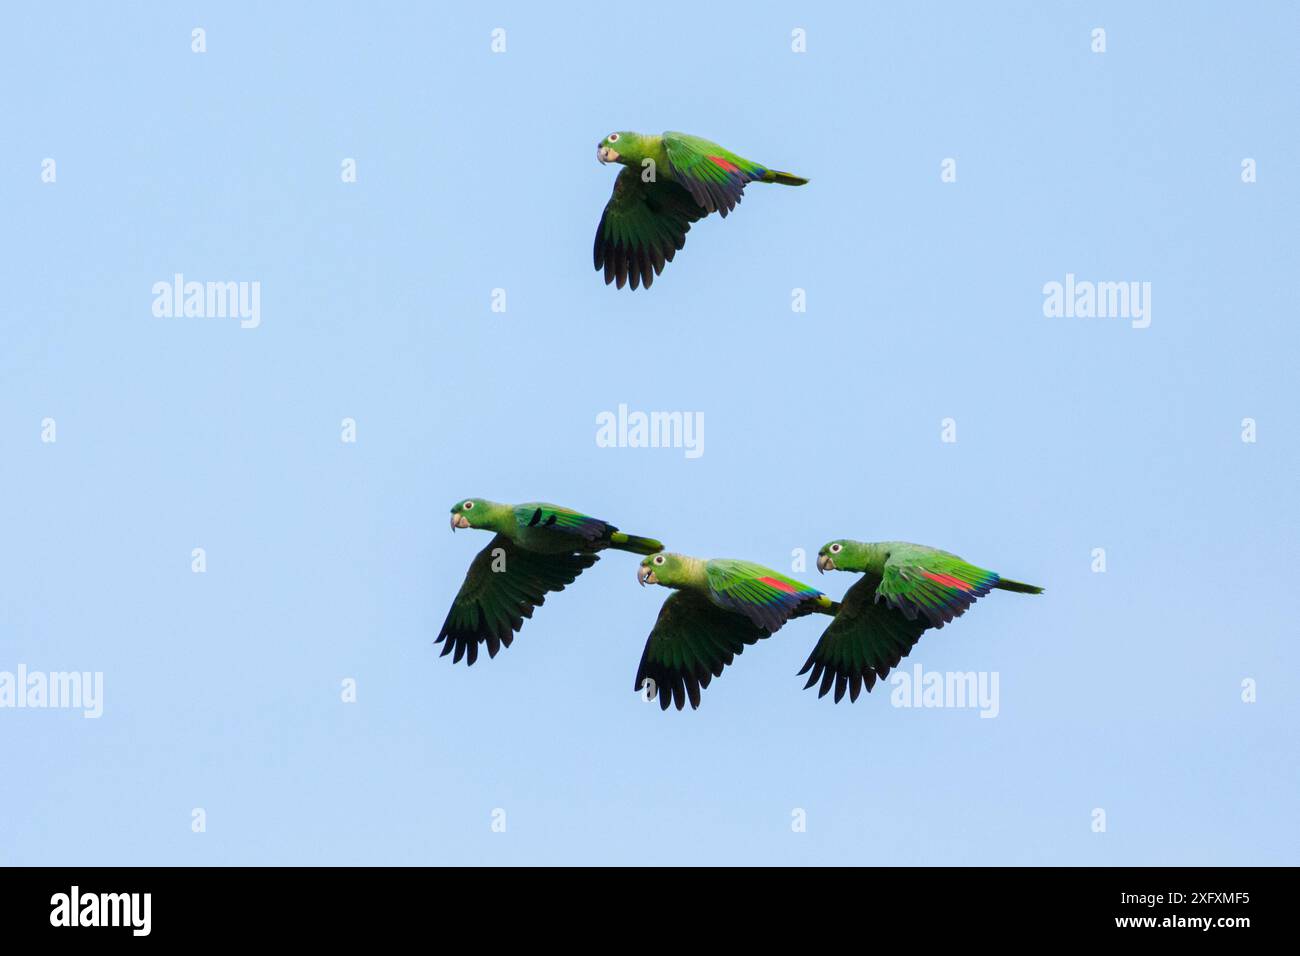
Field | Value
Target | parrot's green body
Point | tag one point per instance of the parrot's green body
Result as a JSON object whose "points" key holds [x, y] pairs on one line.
{"points": [[904, 590], [720, 607], [668, 182], [537, 548]]}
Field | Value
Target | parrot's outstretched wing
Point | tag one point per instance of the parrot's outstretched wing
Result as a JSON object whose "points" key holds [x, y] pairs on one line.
{"points": [[692, 641], [864, 641], [932, 584], [643, 226], [585, 529], [767, 598], [715, 177], [492, 604]]}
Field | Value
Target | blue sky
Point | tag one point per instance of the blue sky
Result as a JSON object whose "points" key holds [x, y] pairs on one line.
{"points": [[328, 560]]}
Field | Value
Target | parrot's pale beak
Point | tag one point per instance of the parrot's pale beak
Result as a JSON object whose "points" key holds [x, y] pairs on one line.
{"points": [[606, 155], [459, 521], [824, 563], [645, 576]]}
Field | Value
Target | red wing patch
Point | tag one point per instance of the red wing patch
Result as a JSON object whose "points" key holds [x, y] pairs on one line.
{"points": [[728, 166], [948, 581], [773, 582]]}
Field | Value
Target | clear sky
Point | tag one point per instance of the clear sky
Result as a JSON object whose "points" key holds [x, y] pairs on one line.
{"points": [[328, 561]]}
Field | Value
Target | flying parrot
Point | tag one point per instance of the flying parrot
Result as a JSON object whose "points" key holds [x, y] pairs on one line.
{"points": [[904, 589], [718, 608], [667, 183], [537, 548]]}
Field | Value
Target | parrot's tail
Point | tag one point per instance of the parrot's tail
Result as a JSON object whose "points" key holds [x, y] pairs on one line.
{"points": [[630, 542], [820, 604], [785, 179], [1006, 584]]}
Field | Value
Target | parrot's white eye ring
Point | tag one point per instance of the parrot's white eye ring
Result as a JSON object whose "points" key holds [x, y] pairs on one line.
{"points": [[468, 506], [836, 548], [659, 559], [612, 137]]}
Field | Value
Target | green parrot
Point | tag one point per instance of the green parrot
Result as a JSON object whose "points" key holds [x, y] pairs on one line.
{"points": [[667, 183], [904, 589], [537, 548], [718, 608]]}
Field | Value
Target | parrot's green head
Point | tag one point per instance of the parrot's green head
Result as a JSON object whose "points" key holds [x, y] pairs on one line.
{"points": [[670, 570], [624, 147], [467, 513], [843, 555]]}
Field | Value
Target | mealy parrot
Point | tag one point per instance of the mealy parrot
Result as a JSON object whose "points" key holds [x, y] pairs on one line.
{"points": [[667, 183], [718, 607], [904, 589], [537, 548]]}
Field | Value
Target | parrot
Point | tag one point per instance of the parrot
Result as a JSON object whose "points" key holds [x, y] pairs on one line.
{"points": [[537, 548], [904, 590], [719, 607], [667, 183]]}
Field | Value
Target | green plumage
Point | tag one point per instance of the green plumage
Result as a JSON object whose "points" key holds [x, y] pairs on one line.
{"points": [[905, 589], [692, 641], [538, 548], [720, 607], [864, 641], [668, 183]]}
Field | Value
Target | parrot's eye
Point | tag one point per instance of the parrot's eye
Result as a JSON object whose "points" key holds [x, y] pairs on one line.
{"points": [[836, 548], [613, 137], [659, 559], [468, 506]]}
